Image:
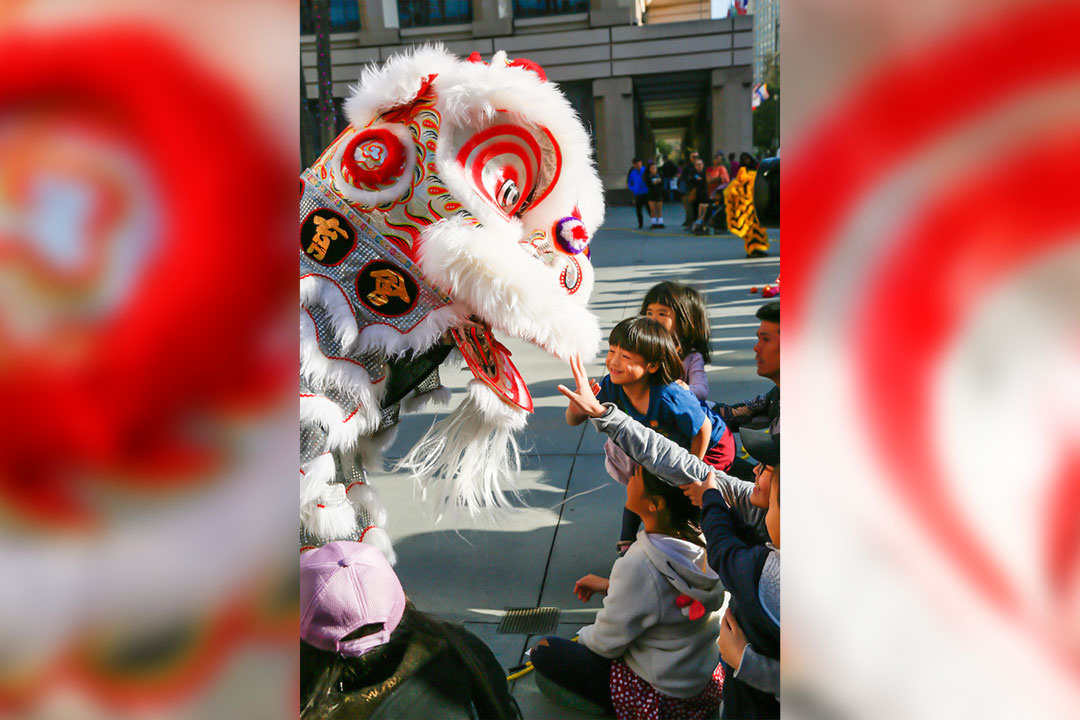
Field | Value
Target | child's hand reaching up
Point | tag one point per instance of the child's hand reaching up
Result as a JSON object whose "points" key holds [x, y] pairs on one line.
{"points": [[695, 490], [586, 586], [583, 403]]}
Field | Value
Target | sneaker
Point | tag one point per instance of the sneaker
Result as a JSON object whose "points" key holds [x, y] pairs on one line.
{"points": [[660, 225]]}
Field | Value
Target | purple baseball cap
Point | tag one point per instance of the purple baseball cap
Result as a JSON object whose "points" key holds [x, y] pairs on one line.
{"points": [[345, 587]]}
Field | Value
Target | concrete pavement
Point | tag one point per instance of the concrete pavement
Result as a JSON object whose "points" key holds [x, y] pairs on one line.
{"points": [[471, 569]]}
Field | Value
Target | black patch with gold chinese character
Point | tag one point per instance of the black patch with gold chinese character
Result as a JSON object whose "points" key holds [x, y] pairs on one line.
{"points": [[386, 289], [326, 236]]}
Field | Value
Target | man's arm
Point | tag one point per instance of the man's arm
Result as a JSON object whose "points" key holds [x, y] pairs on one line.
{"points": [[670, 462]]}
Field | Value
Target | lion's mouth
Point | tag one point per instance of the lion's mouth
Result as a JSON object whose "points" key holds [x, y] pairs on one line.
{"points": [[490, 363]]}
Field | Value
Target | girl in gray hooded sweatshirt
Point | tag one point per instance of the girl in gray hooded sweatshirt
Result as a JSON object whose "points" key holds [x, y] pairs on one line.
{"points": [[654, 641]]}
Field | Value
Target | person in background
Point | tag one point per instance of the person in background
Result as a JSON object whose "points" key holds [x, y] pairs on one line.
{"points": [[751, 573], [686, 189], [669, 171], [764, 410], [655, 182], [696, 192], [717, 175], [635, 181]]}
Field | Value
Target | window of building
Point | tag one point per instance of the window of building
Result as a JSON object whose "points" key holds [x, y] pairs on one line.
{"points": [[307, 18], [418, 13], [344, 16], [541, 8]]}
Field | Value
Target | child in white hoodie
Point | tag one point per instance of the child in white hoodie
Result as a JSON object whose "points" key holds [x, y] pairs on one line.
{"points": [[652, 649]]}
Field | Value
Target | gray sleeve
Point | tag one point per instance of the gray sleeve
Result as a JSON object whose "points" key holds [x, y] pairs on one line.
{"points": [[759, 671], [670, 462]]}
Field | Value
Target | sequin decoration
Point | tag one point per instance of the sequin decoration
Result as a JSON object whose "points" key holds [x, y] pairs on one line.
{"points": [[370, 246]]}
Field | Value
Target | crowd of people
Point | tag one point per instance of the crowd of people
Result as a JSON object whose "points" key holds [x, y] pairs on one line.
{"points": [[700, 528], [699, 188], [699, 522]]}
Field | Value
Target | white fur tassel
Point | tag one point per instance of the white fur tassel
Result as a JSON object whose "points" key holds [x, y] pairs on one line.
{"points": [[471, 457], [329, 521], [372, 447], [314, 479], [377, 536], [364, 497]]}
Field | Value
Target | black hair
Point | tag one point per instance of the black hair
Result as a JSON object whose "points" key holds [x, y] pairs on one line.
{"points": [[637, 159], [748, 161], [691, 319], [683, 517], [769, 312], [327, 678], [651, 340]]}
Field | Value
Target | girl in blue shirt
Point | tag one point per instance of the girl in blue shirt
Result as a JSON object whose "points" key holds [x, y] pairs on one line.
{"points": [[643, 365]]}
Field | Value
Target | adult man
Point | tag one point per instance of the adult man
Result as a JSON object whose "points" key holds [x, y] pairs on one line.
{"points": [[764, 410], [695, 190], [635, 180]]}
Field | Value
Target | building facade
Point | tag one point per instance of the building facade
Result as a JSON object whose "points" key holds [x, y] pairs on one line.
{"points": [[766, 35], [643, 74]]}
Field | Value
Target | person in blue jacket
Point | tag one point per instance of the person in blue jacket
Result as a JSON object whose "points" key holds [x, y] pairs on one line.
{"points": [[635, 181], [750, 572]]}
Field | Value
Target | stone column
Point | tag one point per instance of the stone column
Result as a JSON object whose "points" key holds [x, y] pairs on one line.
{"points": [[492, 17], [378, 23], [732, 119], [613, 100], [604, 13]]}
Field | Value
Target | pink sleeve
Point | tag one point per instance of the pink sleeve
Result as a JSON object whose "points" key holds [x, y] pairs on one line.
{"points": [[694, 375]]}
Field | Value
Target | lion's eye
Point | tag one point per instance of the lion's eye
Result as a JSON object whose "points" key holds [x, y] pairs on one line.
{"points": [[504, 164], [507, 194]]}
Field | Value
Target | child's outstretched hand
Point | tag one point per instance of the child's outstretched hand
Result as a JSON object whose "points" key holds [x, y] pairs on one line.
{"points": [[584, 400], [586, 586], [695, 490]]}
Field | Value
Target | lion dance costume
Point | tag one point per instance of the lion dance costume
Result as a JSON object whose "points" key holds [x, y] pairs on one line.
{"points": [[742, 216], [460, 199]]}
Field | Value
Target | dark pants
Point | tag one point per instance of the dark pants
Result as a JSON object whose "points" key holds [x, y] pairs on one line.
{"points": [[575, 668], [639, 202]]}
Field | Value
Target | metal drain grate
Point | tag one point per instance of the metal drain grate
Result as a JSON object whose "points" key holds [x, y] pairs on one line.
{"points": [[529, 621]]}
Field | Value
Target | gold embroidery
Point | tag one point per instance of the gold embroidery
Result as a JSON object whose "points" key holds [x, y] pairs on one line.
{"points": [[327, 229], [387, 284]]}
